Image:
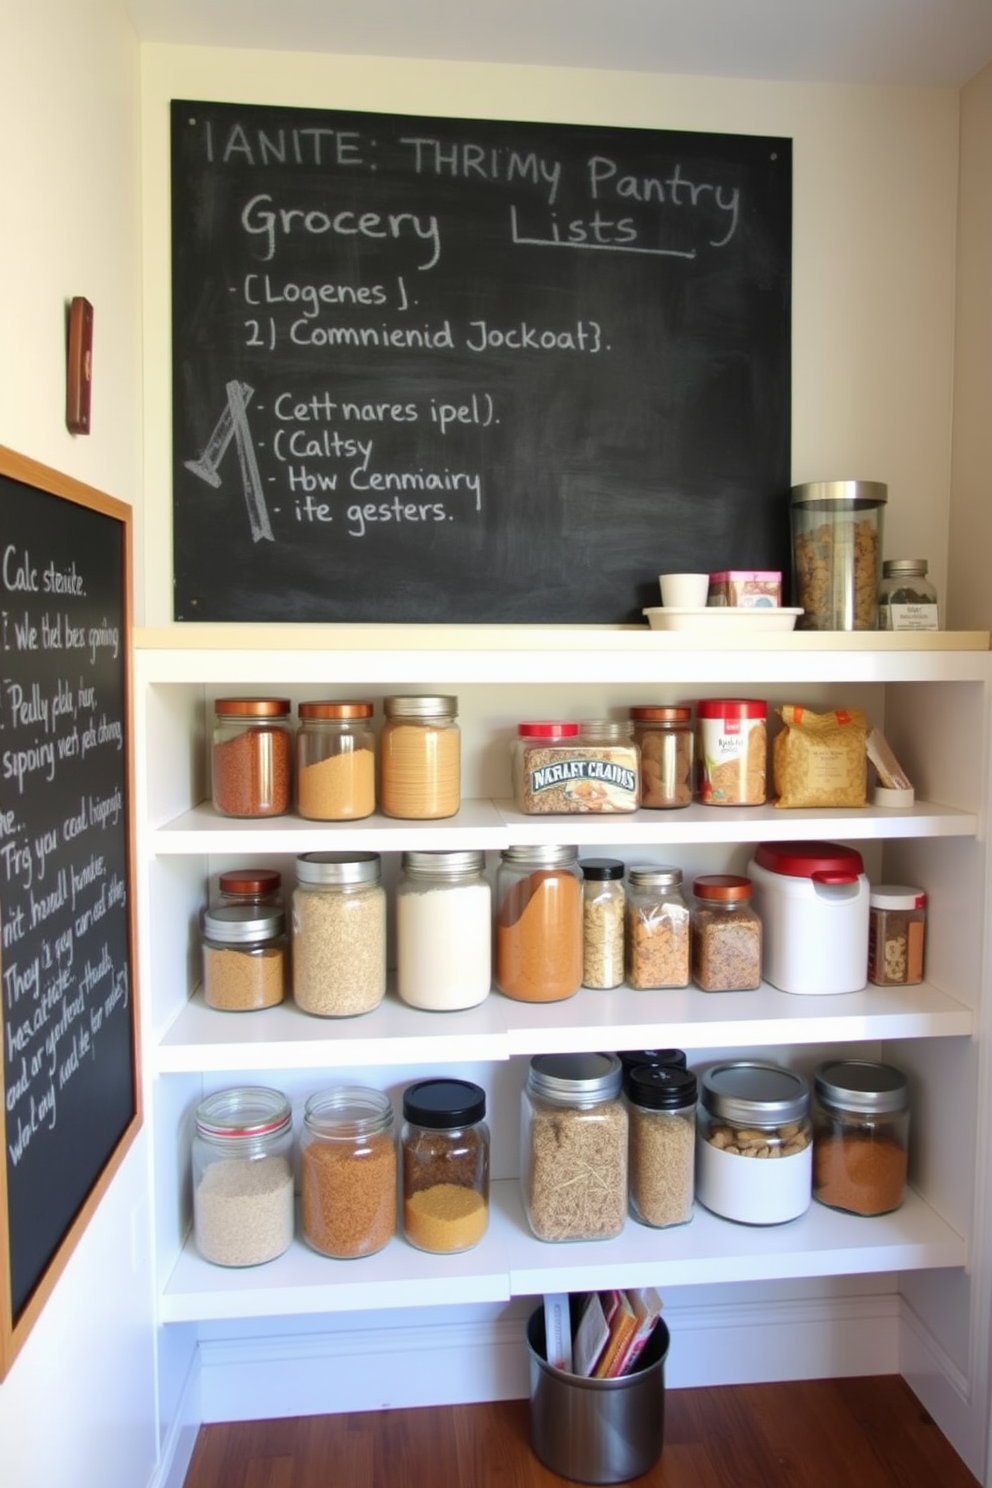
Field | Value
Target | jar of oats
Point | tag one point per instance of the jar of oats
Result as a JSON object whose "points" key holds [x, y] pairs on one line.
{"points": [[664, 737], [243, 950], [754, 1154], [335, 761], [242, 1162], [339, 934], [573, 1139], [602, 922], [657, 927], [662, 1109], [726, 934], [733, 751], [420, 758]]}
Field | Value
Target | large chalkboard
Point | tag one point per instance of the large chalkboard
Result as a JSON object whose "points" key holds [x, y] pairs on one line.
{"points": [[67, 1013], [472, 370]]}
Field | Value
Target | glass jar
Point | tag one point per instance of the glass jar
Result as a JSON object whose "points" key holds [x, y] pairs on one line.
{"points": [[420, 764], [339, 934], [539, 923], [348, 1172], [664, 737], [242, 1160], [445, 1142], [541, 761], [611, 765], [602, 922], [726, 934], [335, 761], [243, 952], [252, 757], [259, 886], [657, 927], [632, 1058], [573, 1140], [733, 751], [661, 1103], [860, 1136], [443, 930], [575, 769], [897, 917], [748, 1111], [837, 553], [907, 600]]}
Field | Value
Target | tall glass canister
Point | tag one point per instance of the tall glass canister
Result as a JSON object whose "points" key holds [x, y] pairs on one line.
{"points": [[443, 930]]}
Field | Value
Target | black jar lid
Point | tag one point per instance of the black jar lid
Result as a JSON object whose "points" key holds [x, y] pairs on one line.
{"points": [[661, 1087], [630, 1058], [601, 869], [443, 1103]]}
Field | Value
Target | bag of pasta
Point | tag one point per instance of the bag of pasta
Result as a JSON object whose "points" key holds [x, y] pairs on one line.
{"points": [[820, 759]]}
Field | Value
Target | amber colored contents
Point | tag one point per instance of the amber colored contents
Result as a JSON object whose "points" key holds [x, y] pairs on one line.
{"points": [[859, 1172], [446, 1217], [539, 937]]}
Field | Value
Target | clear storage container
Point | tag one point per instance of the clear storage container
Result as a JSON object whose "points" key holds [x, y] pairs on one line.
{"points": [[860, 1136], [573, 1135], [657, 927], [443, 930], [243, 951], [420, 758], [661, 1102], [665, 739], [907, 599], [339, 934], [837, 530], [575, 769], [445, 1142], [754, 1143], [335, 761], [252, 757], [897, 917], [348, 1172], [726, 934], [242, 1161], [603, 903], [539, 923]]}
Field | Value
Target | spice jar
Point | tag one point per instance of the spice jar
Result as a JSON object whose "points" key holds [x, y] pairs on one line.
{"points": [[748, 1111], [259, 886], [443, 930], [860, 1136], [242, 1160], [445, 1142], [573, 1139], [733, 751], [632, 1058], [420, 758], [348, 1172], [664, 737], [602, 922], [243, 948], [335, 761], [657, 927], [539, 923], [252, 757], [837, 552], [726, 934], [339, 933], [661, 1103], [907, 600], [897, 917]]}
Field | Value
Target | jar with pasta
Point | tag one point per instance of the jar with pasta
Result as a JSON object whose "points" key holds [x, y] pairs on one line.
{"points": [[335, 761], [420, 758], [602, 922], [339, 934], [539, 923], [657, 932], [726, 934], [573, 1137]]}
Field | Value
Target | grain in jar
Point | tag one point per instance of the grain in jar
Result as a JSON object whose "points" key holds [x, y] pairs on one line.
{"points": [[664, 737], [754, 1143], [443, 930], [243, 952], [573, 1135], [335, 761], [725, 934], [657, 928], [348, 1172], [860, 1136], [445, 1146], [252, 757], [338, 934], [420, 758], [602, 922], [242, 1163], [733, 751], [661, 1102], [539, 923]]}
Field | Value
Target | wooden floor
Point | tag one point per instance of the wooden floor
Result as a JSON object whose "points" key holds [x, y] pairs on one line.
{"points": [[850, 1433]]}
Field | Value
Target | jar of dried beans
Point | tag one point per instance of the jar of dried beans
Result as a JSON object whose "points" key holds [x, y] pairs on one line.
{"points": [[733, 751], [338, 933], [420, 758], [243, 949], [242, 1160], [664, 737], [750, 1111], [252, 757], [725, 933], [539, 923], [860, 1136], [602, 922], [573, 1137], [335, 761], [897, 916], [657, 927], [262, 886], [661, 1101], [348, 1172], [443, 930], [445, 1143]]}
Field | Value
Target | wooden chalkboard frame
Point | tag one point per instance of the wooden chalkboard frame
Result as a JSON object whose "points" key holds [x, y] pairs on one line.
{"points": [[26, 479]]}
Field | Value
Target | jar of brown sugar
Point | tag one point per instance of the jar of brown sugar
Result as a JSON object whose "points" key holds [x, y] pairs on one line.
{"points": [[244, 957], [539, 923], [420, 758], [335, 761], [664, 737], [348, 1172], [252, 757], [860, 1136], [445, 1144], [725, 933]]}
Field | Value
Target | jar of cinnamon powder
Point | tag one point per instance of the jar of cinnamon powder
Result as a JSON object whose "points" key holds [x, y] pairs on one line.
{"points": [[539, 948], [252, 757], [860, 1136]]}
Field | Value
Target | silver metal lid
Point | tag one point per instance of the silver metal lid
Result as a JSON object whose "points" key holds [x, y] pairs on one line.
{"points": [[748, 1091], [579, 1077], [338, 868], [241, 924], [898, 567], [856, 493], [444, 864], [654, 875], [540, 856], [420, 707], [861, 1085]]}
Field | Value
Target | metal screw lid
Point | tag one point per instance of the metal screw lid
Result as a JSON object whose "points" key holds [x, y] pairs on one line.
{"points": [[338, 868], [560, 1077], [242, 924]]}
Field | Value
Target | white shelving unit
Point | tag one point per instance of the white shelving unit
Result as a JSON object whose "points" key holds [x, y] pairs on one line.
{"points": [[932, 696]]}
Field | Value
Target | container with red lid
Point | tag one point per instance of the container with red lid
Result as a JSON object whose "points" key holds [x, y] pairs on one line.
{"points": [[813, 898], [565, 768], [733, 751]]}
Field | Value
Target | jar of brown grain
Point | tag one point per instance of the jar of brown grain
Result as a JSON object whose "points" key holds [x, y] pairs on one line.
{"points": [[725, 933], [348, 1172], [243, 948], [252, 756]]}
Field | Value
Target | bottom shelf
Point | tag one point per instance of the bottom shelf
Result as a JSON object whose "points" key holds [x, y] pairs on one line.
{"points": [[510, 1262]]}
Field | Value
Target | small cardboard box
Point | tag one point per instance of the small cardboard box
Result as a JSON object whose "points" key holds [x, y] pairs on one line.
{"points": [[746, 589]]}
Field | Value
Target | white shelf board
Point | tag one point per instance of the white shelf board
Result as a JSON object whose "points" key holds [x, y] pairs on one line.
{"points": [[510, 1262], [204, 830]]}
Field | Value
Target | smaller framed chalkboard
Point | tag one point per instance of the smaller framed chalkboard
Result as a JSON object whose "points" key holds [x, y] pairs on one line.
{"points": [[68, 1017]]}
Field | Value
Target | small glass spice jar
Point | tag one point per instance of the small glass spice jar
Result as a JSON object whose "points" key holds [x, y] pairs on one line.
{"points": [[259, 886], [348, 1172], [243, 952], [338, 934], [443, 930], [420, 758], [242, 1160], [907, 599], [602, 922], [661, 1103], [252, 757], [657, 927], [539, 923], [748, 1111], [897, 917], [860, 1136], [445, 1146], [573, 1147], [335, 761], [726, 934], [665, 739]]}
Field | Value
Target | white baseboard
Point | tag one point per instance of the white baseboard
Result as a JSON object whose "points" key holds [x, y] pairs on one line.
{"points": [[944, 1392], [180, 1436]]}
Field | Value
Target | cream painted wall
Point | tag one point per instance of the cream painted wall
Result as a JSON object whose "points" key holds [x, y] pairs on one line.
{"points": [[875, 173]]}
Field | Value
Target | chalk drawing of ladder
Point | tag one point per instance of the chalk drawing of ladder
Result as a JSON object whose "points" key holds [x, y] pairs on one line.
{"points": [[233, 424]]}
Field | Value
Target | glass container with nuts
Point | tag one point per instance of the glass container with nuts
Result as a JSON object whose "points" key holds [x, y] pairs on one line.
{"points": [[754, 1143]]}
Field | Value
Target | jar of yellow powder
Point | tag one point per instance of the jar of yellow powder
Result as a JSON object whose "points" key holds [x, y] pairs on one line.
{"points": [[445, 1146], [420, 758], [335, 761]]}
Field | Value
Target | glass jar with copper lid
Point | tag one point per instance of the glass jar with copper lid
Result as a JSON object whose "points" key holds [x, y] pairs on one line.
{"points": [[252, 758], [725, 933], [260, 886], [335, 761], [664, 737]]}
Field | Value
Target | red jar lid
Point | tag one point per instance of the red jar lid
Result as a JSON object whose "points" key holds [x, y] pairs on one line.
{"points": [[729, 888], [731, 708], [825, 862], [547, 730]]}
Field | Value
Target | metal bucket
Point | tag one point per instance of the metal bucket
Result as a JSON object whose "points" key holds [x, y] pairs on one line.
{"points": [[597, 1430]]}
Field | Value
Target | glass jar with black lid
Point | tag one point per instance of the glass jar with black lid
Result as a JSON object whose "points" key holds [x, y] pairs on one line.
{"points": [[445, 1149], [661, 1101]]}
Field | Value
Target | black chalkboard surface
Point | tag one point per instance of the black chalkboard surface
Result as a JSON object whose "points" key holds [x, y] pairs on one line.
{"points": [[68, 1018], [472, 370]]}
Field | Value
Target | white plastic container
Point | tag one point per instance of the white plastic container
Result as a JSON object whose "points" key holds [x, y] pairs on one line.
{"points": [[813, 899]]}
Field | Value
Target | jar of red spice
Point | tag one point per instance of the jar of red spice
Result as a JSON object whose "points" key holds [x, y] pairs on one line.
{"points": [[539, 923], [252, 759], [860, 1136]]}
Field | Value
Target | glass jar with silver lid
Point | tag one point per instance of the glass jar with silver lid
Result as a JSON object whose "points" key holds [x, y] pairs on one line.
{"points": [[443, 930], [338, 933], [420, 758], [573, 1136]]}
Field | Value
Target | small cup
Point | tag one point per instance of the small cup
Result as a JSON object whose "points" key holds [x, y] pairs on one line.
{"points": [[684, 591]]}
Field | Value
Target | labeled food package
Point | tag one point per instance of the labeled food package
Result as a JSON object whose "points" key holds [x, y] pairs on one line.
{"points": [[820, 759], [746, 589]]}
